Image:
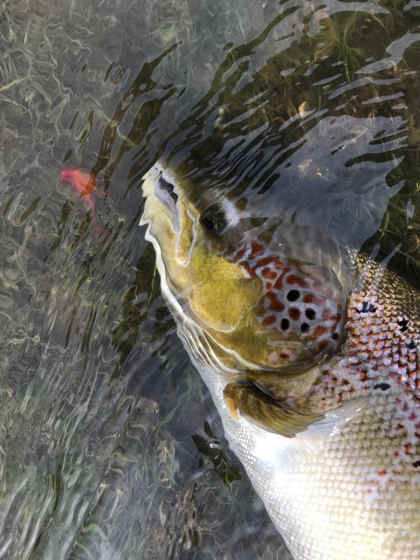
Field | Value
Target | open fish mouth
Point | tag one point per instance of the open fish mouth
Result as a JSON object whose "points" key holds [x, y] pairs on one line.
{"points": [[165, 189]]}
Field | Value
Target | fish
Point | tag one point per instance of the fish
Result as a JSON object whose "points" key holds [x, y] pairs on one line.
{"points": [[85, 184], [310, 351]]}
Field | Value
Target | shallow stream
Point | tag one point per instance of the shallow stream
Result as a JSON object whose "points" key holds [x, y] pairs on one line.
{"points": [[109, 444]]}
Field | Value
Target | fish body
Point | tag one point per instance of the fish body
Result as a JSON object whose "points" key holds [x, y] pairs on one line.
{"points": [[312, 359]]}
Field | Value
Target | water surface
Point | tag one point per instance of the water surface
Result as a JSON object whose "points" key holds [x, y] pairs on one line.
{"points": [[109, 444]]}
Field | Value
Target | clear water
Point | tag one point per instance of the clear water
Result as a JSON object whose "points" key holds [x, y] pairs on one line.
{"points": [[109, 444]]}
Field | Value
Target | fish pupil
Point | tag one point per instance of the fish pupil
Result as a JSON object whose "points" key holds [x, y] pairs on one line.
{"points": [[213, 220]]}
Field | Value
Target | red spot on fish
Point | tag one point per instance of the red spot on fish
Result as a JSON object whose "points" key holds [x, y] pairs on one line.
{"points": [[294, 313], [363, 376], [269, 320], [279, 282], [263, 262], [256, 249], [279, 265], [319, 331], [275, 304], [310, 298], [247, 267], [322, 345], [408, 448], [268, 273], [293, 279], [240, 253], [328, 315]]}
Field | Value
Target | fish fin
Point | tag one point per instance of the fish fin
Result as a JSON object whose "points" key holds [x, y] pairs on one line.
{"points": [[268, 413], [336, 419]]}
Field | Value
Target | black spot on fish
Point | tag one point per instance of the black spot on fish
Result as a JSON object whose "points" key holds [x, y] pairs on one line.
{"points": [[285, 324], [416, 464], [293, 295], [382, 386], [310, 313], [367, 307], [403, 324], [214, 220], [411, 345], [304, 327]]}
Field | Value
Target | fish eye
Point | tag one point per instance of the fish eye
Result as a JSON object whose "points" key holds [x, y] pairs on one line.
{"points": [[213, 219]]}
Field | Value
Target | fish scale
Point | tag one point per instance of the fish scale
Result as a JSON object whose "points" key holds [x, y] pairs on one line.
{"points": [[381, 336], [381, 356]]}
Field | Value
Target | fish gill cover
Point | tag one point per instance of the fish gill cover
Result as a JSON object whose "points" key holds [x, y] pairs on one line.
{"points": [[109, 443]]}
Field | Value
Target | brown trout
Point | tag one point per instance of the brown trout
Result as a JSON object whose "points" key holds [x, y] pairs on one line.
{"points": [[311, 354]]}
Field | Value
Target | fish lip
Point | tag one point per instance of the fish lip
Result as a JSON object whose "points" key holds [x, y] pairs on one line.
{"points": [[166, 191]]}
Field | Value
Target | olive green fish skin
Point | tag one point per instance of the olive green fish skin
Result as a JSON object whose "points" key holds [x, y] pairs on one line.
{"points": [[330, 435]]}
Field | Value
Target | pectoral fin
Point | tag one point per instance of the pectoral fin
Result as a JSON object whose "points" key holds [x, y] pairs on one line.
{"points": [[263, 410]]}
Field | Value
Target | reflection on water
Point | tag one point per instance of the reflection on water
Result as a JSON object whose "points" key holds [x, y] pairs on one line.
{"points": [[109, 444]]}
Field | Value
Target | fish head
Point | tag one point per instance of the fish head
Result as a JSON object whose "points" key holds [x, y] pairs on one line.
{"points": [[247, 282]]}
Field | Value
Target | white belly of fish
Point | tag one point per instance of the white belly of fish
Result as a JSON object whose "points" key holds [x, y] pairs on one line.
{"points": [[314, 490]]}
